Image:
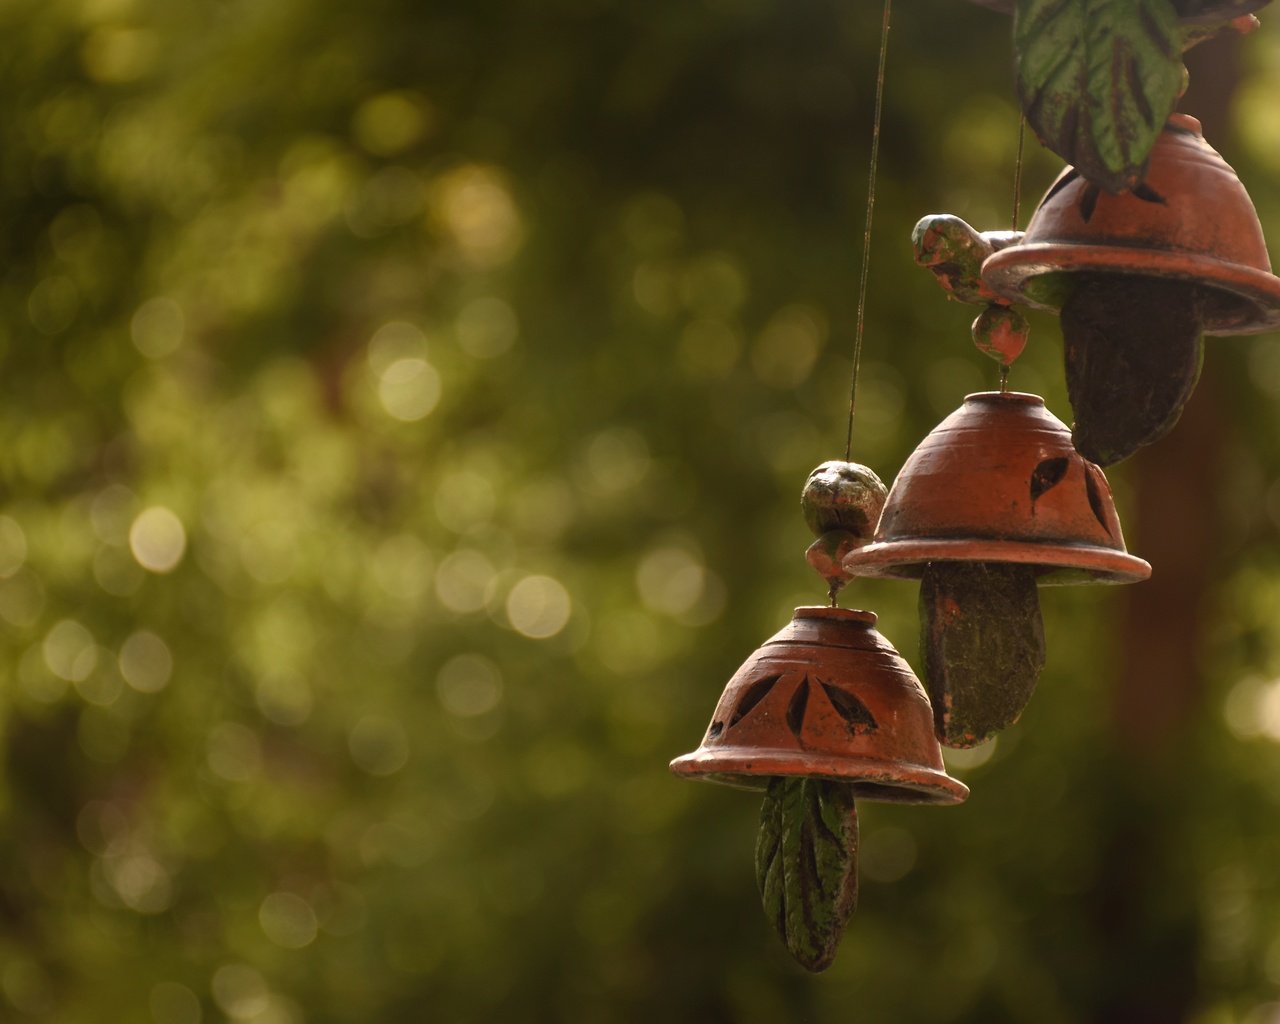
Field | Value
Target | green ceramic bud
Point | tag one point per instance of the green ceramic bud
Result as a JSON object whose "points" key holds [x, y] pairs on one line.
{"points": [[843, 496]]}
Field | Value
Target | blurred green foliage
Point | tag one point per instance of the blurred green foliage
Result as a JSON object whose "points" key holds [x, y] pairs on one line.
{"points": [[404, 413]]}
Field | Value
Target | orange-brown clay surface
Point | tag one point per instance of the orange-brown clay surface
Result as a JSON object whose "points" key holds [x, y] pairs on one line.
{"points": [[827, 697]]}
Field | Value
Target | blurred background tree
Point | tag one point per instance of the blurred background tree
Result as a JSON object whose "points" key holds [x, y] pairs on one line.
{"points": [[404, 413]]}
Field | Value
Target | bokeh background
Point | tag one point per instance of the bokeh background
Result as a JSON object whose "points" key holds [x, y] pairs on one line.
{"points": [[403, 410]]}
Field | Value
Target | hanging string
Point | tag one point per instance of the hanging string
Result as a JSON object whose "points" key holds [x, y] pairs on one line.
{"points": [[866, 237], [1017, 171], [1017, 210]]}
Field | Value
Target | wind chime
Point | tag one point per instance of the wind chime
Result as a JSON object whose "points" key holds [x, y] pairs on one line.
{"points": [[997, 500]]}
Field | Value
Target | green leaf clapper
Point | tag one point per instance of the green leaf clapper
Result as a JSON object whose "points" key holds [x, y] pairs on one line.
{"points": [[982, 638], [1098, 79], [807, 865], [1132, 348]]}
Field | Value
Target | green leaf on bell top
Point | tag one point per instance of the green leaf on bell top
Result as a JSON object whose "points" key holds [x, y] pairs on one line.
{"points": [[1216, 10], [1098, 79], [807, 865]]}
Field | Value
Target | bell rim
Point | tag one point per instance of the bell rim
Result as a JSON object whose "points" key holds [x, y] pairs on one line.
{"points": [[1008, 272], [872, 779], [906, 559]]}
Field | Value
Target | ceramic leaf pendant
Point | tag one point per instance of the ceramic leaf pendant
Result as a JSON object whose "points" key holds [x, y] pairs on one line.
{"points": [[982, 646], [807, 865], [1132, 347]]}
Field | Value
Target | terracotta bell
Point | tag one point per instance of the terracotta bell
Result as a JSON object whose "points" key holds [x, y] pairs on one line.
{"points": [[1191, 219], [999, 481], [827, 697]]}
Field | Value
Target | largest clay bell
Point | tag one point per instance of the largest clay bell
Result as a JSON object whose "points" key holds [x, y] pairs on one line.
{"points": [[1191, 220], [999, 481], [826, 697]]}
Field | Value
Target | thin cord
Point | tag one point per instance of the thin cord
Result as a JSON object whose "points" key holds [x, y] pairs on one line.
{"points": [[1017, 171], [1017, 210], [866, 237]]}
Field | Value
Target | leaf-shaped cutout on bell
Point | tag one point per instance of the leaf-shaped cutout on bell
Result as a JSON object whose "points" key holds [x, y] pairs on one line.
{"points": [[1047, 475], [754, 694], [807, 865], [1099, 494], [853, 711], [1089, 202], [796, 708], [982, 646]]}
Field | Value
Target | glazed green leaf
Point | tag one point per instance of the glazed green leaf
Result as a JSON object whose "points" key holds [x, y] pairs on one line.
{"points": [[982, 638], [1216, 10], [1132, 348], [1203, 21], [1098, 79], [1190, 11], [807, 865]]}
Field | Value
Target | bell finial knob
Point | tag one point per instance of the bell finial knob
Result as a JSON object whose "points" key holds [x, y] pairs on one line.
{"points": [[1001, 333]]}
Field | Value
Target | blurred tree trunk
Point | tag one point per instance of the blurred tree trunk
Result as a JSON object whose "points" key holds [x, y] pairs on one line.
{"points": [[1147, 919]]}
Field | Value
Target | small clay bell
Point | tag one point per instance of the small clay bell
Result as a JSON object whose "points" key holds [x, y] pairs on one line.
{"points": [[999, 481], [824, 712], [992, 502], [826, 697]]}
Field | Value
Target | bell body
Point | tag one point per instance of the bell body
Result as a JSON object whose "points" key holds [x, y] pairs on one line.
{"points": [[826, 697], [999, 481], [1196, 223]]}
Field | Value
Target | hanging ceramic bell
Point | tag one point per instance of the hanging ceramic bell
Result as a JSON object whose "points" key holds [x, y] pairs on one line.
{"points": [[992, 502], [1138, 278], [1190, 220], [824, 713], [826, 697], [999, 481]]}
